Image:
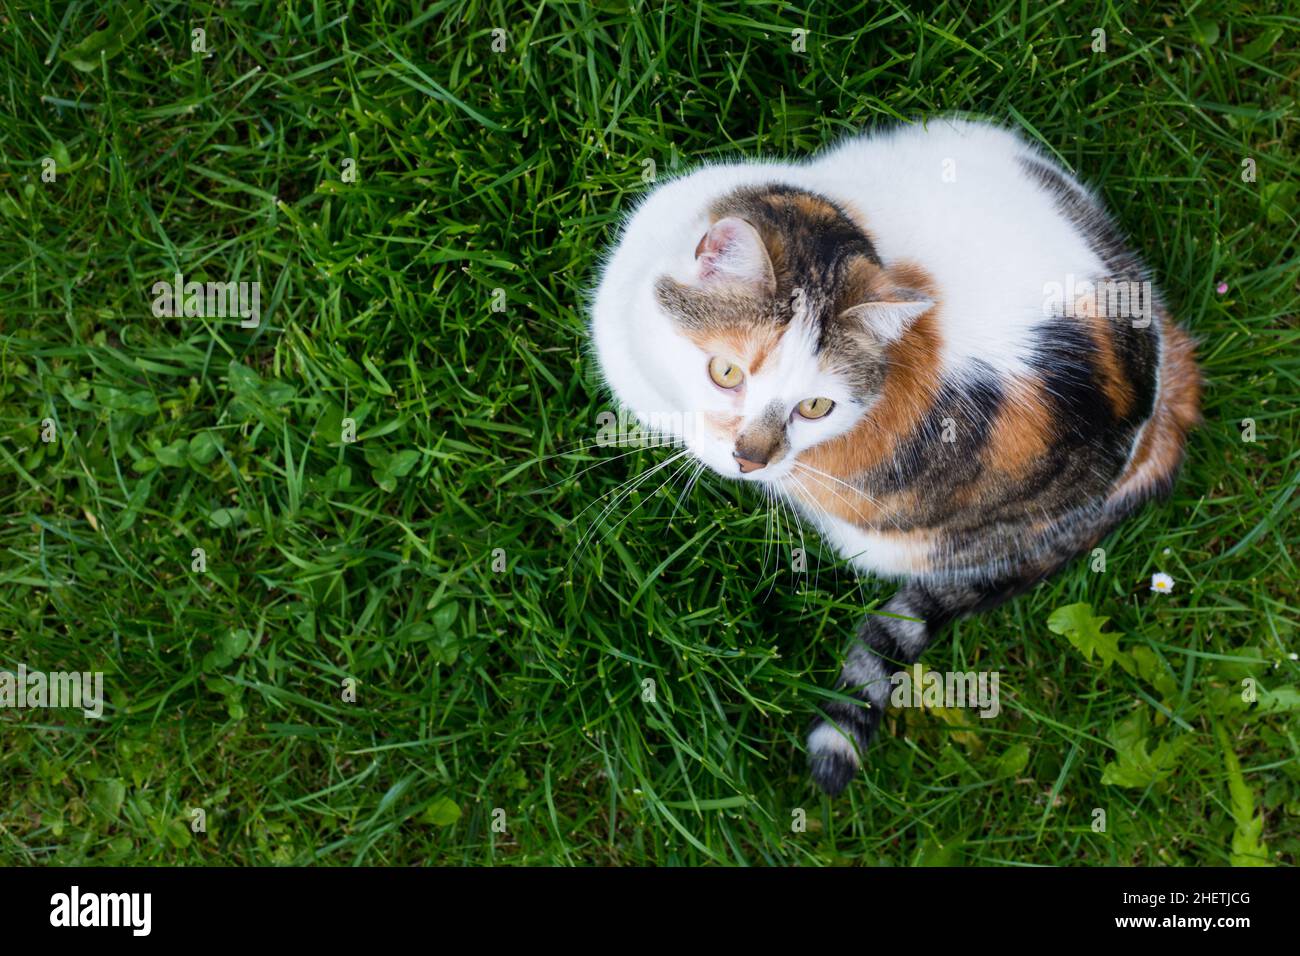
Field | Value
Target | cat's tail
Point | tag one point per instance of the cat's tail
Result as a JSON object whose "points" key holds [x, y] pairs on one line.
{"points": [[1158, 451], [888, 642]]}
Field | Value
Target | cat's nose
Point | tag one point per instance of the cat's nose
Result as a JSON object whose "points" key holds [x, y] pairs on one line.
{"points": [[747, 465]]}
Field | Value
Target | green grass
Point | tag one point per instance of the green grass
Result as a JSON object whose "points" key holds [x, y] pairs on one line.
{"points": [[373, 560]]}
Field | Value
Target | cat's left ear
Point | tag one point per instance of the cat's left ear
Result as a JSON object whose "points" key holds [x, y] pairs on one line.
{"points": [[887, 299], [888, 318]]}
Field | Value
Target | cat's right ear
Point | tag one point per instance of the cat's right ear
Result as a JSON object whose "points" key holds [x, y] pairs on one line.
{"points": [[733, 252]]}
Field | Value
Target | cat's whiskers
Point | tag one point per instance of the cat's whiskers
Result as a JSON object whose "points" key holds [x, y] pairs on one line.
{"points": [[794, 508], [615, 490], [686, 492], [812, 501], [603, 461], [817, 475], [774, 536], [587, 444], [630, 486], [883, 511], [627, 487], [767, 529], [825, 474], [791, 509], [643, 437], [663, 484], [772, 543]]}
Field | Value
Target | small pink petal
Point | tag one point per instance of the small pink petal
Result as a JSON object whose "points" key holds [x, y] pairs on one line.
{"points": [[1221, 288]]}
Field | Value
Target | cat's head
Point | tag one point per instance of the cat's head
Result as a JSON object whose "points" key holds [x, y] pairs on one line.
{"points": [[754, 330]]}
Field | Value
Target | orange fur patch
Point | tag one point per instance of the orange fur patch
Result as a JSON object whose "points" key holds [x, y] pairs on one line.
{"points": [[813, 208], [724, 426], [1114, 383], [1021, 429], [749, 345], [907, 395], [909, 275]]}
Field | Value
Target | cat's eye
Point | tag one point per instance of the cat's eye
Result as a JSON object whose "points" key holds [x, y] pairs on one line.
{"points": [[725, 373], [815, 407]]}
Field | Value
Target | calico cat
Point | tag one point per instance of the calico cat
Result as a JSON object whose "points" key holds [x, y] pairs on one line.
{"points": [[933, 341]]}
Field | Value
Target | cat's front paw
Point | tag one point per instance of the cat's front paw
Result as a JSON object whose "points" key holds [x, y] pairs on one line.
{"points": [[835, 746]]}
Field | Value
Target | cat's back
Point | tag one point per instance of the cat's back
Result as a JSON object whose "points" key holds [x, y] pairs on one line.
{"points": [[959, 199], [1104, 392]]}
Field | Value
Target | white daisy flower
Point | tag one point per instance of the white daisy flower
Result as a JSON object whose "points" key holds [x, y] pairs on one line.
{"points": [[1161, 583]]}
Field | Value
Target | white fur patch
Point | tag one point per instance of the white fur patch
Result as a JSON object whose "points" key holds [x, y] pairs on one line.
{"points": [[826, 738], [910, 634], [879, 553]]}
